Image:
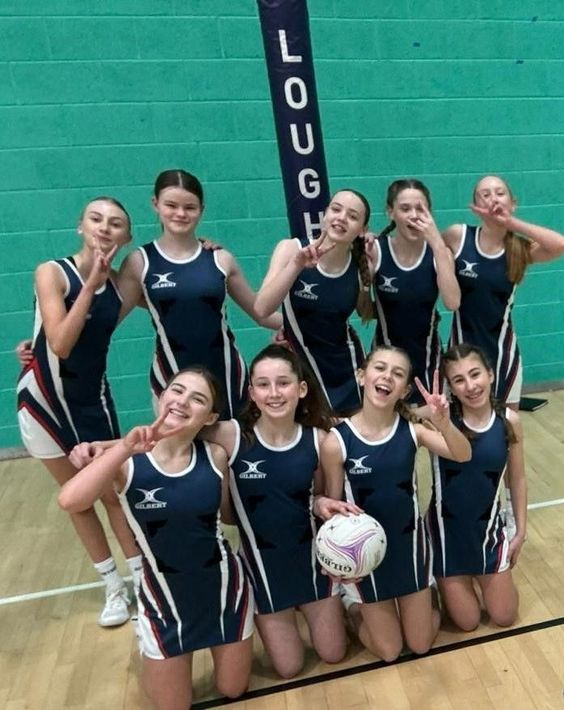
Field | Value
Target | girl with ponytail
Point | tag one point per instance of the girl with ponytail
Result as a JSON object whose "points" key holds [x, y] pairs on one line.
{"points": [[490, 261], [469, 537], [369, 459], [319, 285], [412, 266]]}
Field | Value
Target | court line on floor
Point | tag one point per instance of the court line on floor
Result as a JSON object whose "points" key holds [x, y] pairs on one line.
{"points": [[92, 585], [375, 665]]}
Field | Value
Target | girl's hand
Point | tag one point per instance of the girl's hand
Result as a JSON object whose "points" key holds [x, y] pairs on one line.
{"points": [[326, 508], [24, 352], [425, 224], [208, 244], [370, 250], [142, 439], [308, 257], [494, 213], [515, 548], [85, 453], [102, 267], [437, 404], [341, 580], [279, 338]]}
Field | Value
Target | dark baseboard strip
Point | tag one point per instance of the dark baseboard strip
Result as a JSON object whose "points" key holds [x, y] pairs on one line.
{"points": [[365, 667]]}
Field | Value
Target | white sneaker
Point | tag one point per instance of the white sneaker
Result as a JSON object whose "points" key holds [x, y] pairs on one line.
{"points": [[346, 597], [115, 611]]}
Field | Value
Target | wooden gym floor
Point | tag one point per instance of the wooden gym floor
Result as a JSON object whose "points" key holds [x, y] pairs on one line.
{"points": [[53, 655]]}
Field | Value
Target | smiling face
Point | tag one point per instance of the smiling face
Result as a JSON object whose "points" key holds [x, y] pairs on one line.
{"points": [[103, 225], [189, 400], [470, 381], [385, 377], [345, 217], [408, 204], [179, 210], [491, 191], [275, 388]]}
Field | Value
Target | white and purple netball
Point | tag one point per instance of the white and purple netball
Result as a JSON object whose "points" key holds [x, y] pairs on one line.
{"points": [[350, 546]]}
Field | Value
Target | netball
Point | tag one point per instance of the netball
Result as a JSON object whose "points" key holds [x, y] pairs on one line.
{"points": [[350, 546]]}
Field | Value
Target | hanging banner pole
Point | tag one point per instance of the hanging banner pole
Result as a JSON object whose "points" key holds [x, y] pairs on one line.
{"points": [[289, 60]]}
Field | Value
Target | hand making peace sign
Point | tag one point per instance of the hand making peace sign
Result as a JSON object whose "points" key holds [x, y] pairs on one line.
{"points": [[437, 403], [142, 439], [309, 256]]}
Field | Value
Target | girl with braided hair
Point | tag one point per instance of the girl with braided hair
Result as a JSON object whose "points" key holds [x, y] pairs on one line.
{"points": [[319, 285], [412, 267], [465, 520]]}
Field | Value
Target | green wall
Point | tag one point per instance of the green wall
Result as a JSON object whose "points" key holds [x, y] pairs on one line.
{"points": [[98, 96]]}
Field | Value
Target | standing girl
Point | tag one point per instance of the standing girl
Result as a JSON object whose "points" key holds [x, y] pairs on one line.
{"points": [[468, 534], [274, 459], [320, 284], [184, 286], [491, 261], [193, 591], [63, 394], [372, 456], [412, 267]]}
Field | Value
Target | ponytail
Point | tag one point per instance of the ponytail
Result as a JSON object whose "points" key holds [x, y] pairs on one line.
{"points": [[518, 256]]}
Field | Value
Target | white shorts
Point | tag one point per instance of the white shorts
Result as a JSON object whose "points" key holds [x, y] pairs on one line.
{"points": [[37, 440]]}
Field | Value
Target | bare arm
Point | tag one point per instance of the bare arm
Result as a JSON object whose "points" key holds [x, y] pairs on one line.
{"points": [[547, 244], [448, 441], [219, 456], [452, 237], [221, 433], [281, 274], [243, 295], [129, 283], [84, 489], [444, 261], [333, 477], [62, 327], [517, 486], [446, 278]]}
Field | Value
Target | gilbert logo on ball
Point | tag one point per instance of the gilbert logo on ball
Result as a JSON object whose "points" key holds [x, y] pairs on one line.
{"points": [[350, 546]]}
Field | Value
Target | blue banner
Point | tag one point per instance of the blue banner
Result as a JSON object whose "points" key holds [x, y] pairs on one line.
{"points": [[287, 48]]}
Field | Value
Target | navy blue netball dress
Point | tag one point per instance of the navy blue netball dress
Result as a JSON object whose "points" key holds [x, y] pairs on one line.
{"points": [[380, 478], [484, 316], [406, 307], [316, 312], [194, 592], [464, 516], [272, 492], [186, 300], [62, 402]]}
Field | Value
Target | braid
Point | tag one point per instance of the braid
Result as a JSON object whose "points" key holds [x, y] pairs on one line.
{"points": [[500, 410], [405, 411], [389, 228], [364, 304]]}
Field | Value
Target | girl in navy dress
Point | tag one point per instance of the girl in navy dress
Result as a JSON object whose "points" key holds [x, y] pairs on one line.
{"points": [[63, 394], [412, 266], [184, 286], [274, 459], [319, 285], [371, 456], [490, 261], [174, 490], [467, 530]]}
